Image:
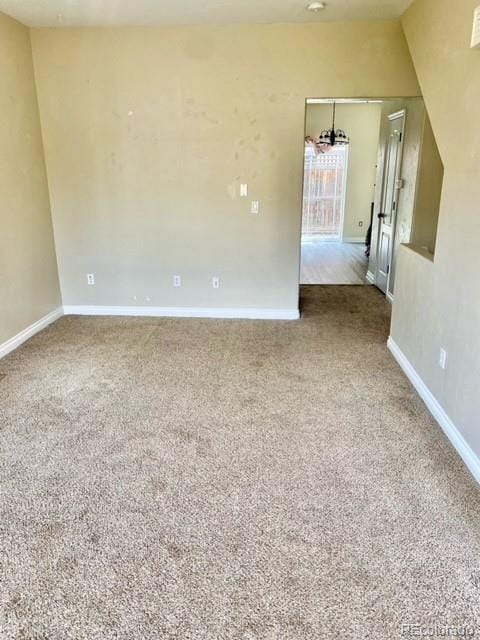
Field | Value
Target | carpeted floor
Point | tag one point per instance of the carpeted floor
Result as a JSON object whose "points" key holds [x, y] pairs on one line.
{"points": [[230, 480]]}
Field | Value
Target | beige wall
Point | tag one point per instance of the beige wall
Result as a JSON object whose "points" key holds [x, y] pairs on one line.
{"points": [[361, 122], [28, 270], [430, 181], [149, 132], [437, 303]]}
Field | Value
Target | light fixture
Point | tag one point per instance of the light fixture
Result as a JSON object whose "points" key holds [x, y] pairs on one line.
{"points": [[316, 6], [333, 137]]}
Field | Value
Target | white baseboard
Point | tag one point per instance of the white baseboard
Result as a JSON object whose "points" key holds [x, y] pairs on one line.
{"points": [[183, 312], [370, 277], [354, 240], [464, 450], [23, 336]]}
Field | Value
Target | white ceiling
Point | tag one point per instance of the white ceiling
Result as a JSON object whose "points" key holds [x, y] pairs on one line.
{"points": [[58, 13]]}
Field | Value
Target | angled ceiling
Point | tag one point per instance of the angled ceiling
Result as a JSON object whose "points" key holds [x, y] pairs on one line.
{"points": [[77, 13]]}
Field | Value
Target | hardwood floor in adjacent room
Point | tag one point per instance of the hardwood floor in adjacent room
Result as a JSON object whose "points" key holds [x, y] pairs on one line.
{"points": [[333, 262]]}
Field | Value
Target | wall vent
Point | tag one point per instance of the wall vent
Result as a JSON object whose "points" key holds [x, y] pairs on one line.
{"points": [[476, 29]]}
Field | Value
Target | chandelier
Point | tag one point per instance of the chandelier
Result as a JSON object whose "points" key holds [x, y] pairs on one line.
{"points": [[332, 137]]}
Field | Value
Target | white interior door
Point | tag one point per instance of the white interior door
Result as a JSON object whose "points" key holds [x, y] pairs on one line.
{"points": [[392, 184]]}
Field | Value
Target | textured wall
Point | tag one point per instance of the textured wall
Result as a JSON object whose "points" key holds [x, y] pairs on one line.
{"points": [[149, 132], [447, 313], [362, 123], [430, 182], [28, 270]]}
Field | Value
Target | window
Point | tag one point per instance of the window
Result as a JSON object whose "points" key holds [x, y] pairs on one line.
{"points": [[324, 191]]}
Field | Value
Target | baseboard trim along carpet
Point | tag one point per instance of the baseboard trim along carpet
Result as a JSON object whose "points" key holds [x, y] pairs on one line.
{"points": [[453, 434], [354, 240], [23, 336], [184, 312]]}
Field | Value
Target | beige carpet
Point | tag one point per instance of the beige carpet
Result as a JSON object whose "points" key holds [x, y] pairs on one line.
{"points": [[230, 480]]}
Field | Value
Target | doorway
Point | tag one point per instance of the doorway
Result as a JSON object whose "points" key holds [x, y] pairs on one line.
{"points": [[377, 192], [338, 189], [409, 183], [392, 184]]}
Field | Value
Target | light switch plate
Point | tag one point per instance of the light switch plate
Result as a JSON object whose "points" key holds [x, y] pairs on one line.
{"points": [[442, 361]]}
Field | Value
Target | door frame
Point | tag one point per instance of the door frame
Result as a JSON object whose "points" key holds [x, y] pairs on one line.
{"points": [[345, 193], [402, 113]]}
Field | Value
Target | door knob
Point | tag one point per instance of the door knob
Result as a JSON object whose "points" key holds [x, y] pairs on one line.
{"points": [[382, 215]]}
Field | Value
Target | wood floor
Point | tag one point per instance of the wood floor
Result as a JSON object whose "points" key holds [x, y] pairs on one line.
{"points": [[333, 262]]}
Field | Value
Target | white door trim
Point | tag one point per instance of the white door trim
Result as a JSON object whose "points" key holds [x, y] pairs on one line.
{"points": [[402, 113], [344, 194]]}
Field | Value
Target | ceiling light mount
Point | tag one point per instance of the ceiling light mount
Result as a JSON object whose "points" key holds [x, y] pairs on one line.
{"points": [[316, 6]]}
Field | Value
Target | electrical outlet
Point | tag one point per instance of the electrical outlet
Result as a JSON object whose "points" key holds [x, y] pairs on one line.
{"points": [[244, 190], [148, 299], [255, 206], [360, 224], [90, 279], [442, 361], [216, 282], [177, 281]]}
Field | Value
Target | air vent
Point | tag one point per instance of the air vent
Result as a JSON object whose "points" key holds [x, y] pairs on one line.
{"points": [[476, 29]]}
